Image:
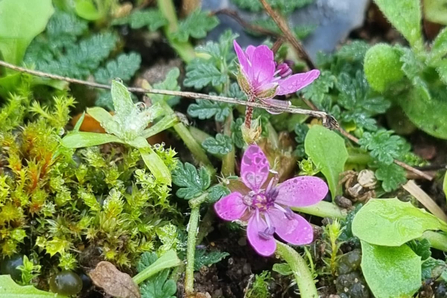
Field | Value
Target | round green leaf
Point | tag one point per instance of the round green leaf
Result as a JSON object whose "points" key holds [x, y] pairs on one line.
{"points": [[391, 271], [20, 22], [382, 66], [328, 151], [390, 222]]}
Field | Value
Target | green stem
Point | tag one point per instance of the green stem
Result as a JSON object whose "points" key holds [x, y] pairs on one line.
{"points": [[168, 260], [228, 161], [359, 158], [191, 244], [195, 148], [166, 122], [323, 209], [299, 268], [198, 135], [184, 49], [437, 240]]}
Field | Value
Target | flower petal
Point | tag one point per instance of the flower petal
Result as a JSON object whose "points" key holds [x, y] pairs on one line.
{"points": [[242, 57], [296, 231], [296, 82], [263, 65], [254, 167], [264, 247], [301, 191], [230, 207]]}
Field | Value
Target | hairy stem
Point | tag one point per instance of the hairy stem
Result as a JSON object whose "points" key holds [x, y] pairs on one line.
{"points": [[299, 268], [249, 112], [191, 244]]}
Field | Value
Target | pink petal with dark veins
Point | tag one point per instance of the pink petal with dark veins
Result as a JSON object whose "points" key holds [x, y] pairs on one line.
{"points": [[296, 231], [230, 207], [296, 82], [264, 247], [301, 191], [254, 167]]}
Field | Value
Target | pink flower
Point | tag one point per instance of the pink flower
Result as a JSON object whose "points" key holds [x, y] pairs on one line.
{"points": [[261, 78], [266, 207]]}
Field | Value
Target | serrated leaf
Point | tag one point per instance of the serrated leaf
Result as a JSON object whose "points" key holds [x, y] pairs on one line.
{"points": [[318, 90], [149, 264], [221, 145], [123, 67], [285, 6], [218, 51], [9, 289], [391, 271], [406, 16], [20, 22], [217, 192], [191, 182], [159, 286], [206, 109], [328, 151], [384, 146], [152, 18], [204, 258], [354, 51], [78, 60], [391, 175], [421, 248], [236, 133], [355, 95], [196, 25], [393, 222], [432, 269], [200, 73], [169, 83]]}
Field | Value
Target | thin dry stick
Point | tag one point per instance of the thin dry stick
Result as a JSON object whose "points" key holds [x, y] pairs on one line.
{"points": [[328, 120], [399, 163], [233, 14], [282, 24], [425, 199]]}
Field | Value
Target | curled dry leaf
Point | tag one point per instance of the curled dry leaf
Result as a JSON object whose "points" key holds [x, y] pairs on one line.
{"points": [[113, 281]]}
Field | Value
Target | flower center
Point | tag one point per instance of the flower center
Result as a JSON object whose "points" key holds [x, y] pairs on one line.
{"points": [[263, 200]]}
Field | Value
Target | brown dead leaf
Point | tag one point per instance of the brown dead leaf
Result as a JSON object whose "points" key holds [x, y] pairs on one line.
{"points": [[113, 281]]}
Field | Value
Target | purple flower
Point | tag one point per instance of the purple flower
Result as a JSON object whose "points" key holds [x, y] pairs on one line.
{"points": [[266, 205], [260, 77]]}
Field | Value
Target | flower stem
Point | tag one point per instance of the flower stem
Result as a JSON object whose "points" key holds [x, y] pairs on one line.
{"points": [[183, 49], [191, 244], [323, 209], [299, 268], [195, 148], [249, 111], [228, 161]]}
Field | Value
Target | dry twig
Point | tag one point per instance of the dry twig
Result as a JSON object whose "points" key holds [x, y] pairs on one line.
{"points": [[328, 120]]}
